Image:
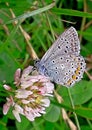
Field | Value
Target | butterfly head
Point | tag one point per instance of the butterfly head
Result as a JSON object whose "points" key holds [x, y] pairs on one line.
{"points": [[37, 63], [40, 67]]}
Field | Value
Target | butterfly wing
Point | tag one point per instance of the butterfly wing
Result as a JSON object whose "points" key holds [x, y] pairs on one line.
{"points": [[62, 62], [67, 43], [66, 70]]}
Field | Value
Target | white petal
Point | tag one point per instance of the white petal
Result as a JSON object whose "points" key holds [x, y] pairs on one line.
{"points": [[17, 76], [41, 110], [25, 84], [22, 93], [28, 109], [44, 79], [29, 116], [27, 71], [37, 114], [25, 101], [50, 87], [7, 87], [34, 87], [19, 109], [5, 108], [45, 102], [50, 95], [17, 116]]}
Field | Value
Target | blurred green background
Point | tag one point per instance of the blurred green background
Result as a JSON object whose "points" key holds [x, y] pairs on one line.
{"points": [[28, 36]]}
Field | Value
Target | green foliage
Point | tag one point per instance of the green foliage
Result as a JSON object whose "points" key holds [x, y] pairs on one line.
{"points": [[49, 116], [43, 21], [81, 93]]}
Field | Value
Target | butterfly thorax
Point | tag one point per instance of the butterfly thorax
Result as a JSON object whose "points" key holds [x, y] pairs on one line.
{"points": [[40, 67]]}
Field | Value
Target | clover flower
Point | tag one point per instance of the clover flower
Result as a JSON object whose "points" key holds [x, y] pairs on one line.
{"points": [[31, 96]]}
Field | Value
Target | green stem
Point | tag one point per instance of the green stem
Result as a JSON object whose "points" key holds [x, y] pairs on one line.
{"points": [[89, 122], [50, 26], [52, 32], [72, 104]]}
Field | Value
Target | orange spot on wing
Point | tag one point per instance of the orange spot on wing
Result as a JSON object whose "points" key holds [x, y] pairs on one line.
{"points": [[69, 82], [77, 70], [74, 77]]}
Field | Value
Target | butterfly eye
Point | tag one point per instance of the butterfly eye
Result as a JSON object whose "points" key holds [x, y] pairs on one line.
{"points": [[36, 62]]}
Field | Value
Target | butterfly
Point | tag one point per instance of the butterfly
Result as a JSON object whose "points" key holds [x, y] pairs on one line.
{"points": [[62, 63]]}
